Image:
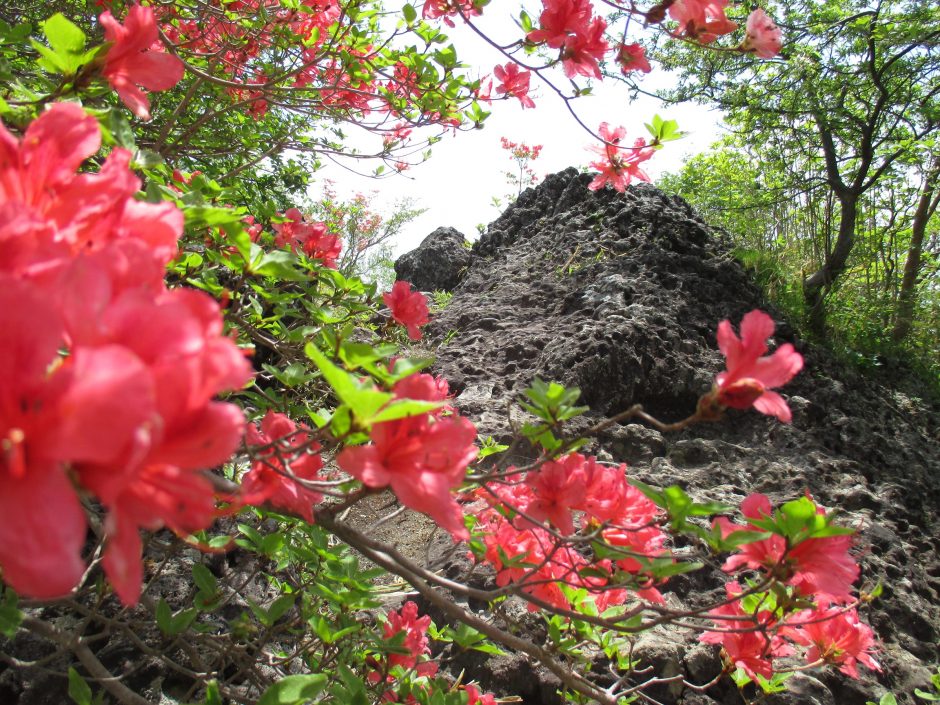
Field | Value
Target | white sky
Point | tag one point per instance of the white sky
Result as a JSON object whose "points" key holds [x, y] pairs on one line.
{"points": [[465, 171]]}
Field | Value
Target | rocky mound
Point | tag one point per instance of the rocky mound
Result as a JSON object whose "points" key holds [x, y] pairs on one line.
{"points": [[620, 294]]}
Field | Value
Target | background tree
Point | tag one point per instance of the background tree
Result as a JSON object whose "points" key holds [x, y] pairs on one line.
{"points": [[850, 102]]}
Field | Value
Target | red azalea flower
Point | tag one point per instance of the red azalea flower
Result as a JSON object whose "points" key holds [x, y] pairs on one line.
{"points": [[816, 566], [632, 57], [762, 35], [750, 375], [409, 308], [559, 19], [584, 49], [620, 165], [416, 635], [136, 58], [702, 20], [422, 459], [51, 213], [51, 412], [557, 487], [749, 648], [835, 636], [514, 82], [267, 480]]}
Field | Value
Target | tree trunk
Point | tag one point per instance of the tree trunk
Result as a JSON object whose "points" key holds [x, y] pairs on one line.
{"points": [[926, 206], [816, 285]]}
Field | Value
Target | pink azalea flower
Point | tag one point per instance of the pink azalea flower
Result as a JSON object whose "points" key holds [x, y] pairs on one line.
{"points": [[409, 308], [750, 375], [702, 20], [632, 57], [559, 19], [50, 415], [475, 697], [763, 37], [557, 487], [422, 459], [136, 58], [264, 483], [52, 213], [312, 238], [514, 82], [835, 636], [433, 9], [156, 480], [620, 165], [584, 49], [820, 567], [750, 647], [416, 637], [609, 497]]}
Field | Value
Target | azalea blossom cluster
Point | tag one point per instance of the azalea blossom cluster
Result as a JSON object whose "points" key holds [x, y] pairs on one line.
{"points": [[422, 458], [95, 335], [409, 308], [316, 52], [619, 165], [550, 503], [313, 239], [756, 631], [417, 645], [523, 155], [136, 58]]}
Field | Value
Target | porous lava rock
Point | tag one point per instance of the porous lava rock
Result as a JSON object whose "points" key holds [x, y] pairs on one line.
{"points": [[438, 263], [620, 295]]}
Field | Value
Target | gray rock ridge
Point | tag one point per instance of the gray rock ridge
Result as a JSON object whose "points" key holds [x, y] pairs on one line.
{"points": [[620, 295], [437, 264]]}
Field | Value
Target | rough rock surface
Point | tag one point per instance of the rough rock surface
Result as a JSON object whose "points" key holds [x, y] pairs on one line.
{"points": [[620, 294], [438, 263]]}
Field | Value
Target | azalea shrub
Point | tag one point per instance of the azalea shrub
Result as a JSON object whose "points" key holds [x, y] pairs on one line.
{"points": [[191, 387]]}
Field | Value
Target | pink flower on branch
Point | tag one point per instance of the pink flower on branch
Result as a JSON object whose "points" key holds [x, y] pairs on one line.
{"points": [[422, 458], [835, 636], [415, 629], [632, 57], [750, 642], [313, 239], [51, 411], [702, 20], [559, 19], [763, 37], [751, 375], [285, 446], [584, 49], [620, 164], [136, 58], [514, 82], [409, 308], [820, 567]]}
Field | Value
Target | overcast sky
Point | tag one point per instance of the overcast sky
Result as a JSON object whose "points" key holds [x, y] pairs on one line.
{"points": [[457, 184]]}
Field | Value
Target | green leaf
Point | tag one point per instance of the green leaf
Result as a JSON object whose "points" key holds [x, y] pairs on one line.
{"points": [[410, 13], [294, 690], [204, 578], [363, 400], [213, 696], [79, 690], [10, 615], [280, 607], [164, 617], [278, 264], [63, 36], [403, 408]]}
